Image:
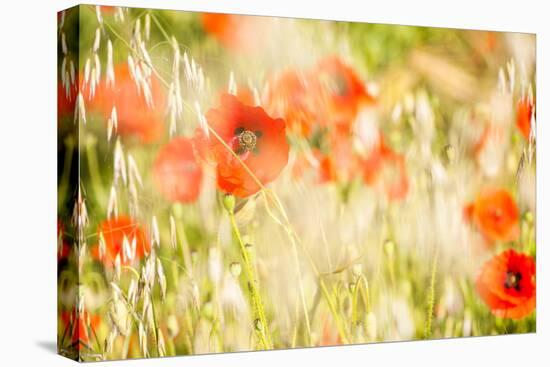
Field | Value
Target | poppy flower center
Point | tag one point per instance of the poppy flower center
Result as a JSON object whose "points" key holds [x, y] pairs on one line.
{"points": [[248, 140], [512, 280]]}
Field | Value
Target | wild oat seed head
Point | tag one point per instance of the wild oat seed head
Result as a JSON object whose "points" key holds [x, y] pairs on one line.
{"points": [[147, 26], [97, 40], [155, 234], [112, 205], [63, 43]]}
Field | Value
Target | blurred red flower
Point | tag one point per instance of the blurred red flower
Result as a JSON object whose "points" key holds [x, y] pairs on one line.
{"points": [[341, 90], [340, 163], [258, 140], [135, 116], [329, 336], [66, 99], [289, 96], [115, 231], [506, 283], [63, 247], [245, 96], [385, 169], [236, 32], [495, 214], [243, 93], [176, 173], [107, 9], [78, 324], [523, 117]]}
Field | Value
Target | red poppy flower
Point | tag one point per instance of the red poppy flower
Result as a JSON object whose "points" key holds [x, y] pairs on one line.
{"points": [[135, 116], [523, 117], [243, 94], [342, 91], [329, 336], [63, 248], [386, 170], [66, 100], [481, 143], [506, 283], [78, 324], [176, 173], [302, 163], [107, 9], [115, 231], [258, 140], [236, 32], [495, 214], [491, 41], [341, 163], [487, 150], [290, 97]]}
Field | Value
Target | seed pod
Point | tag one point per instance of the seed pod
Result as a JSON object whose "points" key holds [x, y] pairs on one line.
{"points": [[208, 310], [258, 325], [389, 247], [229, 203], [529, 217], [173, 326], [235, 269]]}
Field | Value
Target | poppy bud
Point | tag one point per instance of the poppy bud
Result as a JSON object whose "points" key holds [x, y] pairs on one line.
{"points": [[194, 257], [529, 217], [208, 310], [389, 247], [258, 325], [235, 269], [229, 203], [450, 153], [249, 249], [173, 326]]}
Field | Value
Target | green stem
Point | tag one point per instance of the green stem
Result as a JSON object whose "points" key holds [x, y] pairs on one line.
{"points": [[183, 243], [155, 322], [160, 27], [334, 311], [260, 322], [93, 167], [431, 297]]}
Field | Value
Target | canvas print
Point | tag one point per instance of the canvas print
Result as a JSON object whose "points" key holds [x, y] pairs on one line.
{"points": [[241, 183]]}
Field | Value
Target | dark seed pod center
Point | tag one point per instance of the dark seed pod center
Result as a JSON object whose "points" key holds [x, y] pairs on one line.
{"points": [[247, 139], [512, 280]]}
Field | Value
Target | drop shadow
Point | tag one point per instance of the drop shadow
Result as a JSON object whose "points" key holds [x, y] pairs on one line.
{"points": [[48, 345]]}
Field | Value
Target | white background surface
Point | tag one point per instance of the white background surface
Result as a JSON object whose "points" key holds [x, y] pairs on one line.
{"points": [[28, 182]]}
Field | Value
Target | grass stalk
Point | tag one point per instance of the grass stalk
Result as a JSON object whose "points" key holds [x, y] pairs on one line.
{"points": [[260, 322], [431, 297]]}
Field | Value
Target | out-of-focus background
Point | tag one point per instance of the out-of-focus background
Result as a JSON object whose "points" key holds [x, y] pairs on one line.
{"points": [[389, 179], [463, 15]]}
